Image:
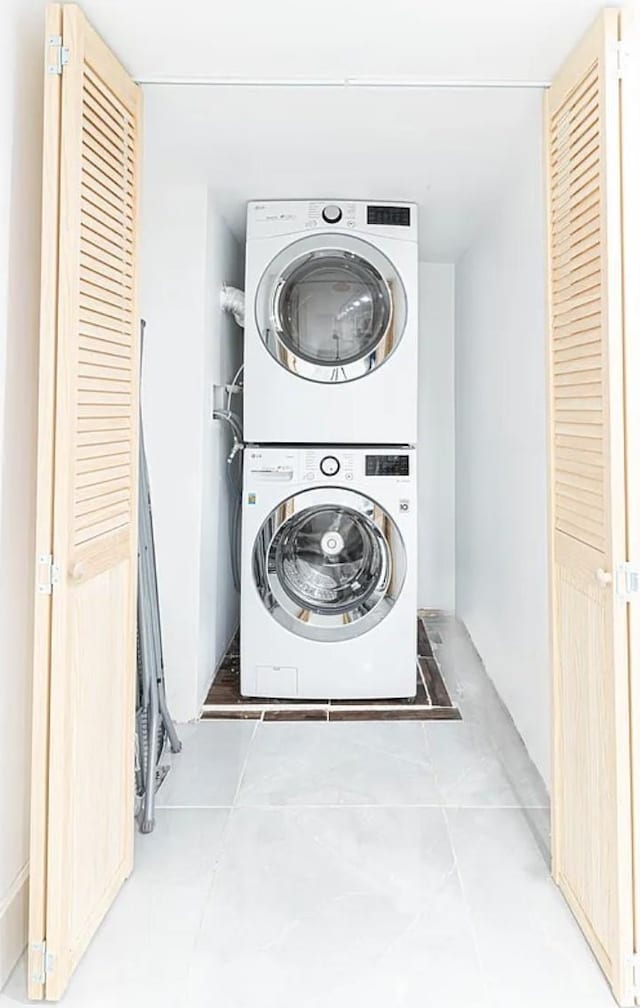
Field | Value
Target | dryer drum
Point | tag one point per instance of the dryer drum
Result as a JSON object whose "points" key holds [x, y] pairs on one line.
{"points": [[329, 563], [331, 308]]}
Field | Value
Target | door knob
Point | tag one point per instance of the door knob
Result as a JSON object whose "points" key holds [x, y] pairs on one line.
{"points": [[603, 577]]}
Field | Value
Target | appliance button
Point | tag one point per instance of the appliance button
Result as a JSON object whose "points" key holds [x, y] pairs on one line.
{"points": [[332, 214], [329, 466], [349, 476]]}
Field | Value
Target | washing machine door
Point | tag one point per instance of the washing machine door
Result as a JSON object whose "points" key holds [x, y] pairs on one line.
{"points": [[331, 308], [329, 564]]}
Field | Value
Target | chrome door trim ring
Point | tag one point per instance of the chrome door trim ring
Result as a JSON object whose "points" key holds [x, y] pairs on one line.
{"points": [[342, 625], [268, 293]]}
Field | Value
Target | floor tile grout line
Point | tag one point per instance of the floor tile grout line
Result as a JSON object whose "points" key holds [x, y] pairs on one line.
{"points": [[361, 805], [188, 808], [242, 710], [246, 761], [221, 852], [467, 903]]}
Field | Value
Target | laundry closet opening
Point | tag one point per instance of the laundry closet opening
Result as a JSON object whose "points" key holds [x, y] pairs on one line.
{"points": [[469, 163], [471, 160]]}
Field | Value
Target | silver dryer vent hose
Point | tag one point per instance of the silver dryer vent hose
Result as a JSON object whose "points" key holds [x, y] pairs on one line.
{"points": [[232, 300]]}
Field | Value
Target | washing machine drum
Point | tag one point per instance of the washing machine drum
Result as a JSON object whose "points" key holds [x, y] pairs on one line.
{"points": [[331, 308], [329, 564]]}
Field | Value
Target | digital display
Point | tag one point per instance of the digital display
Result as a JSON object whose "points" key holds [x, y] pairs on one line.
{"points": [[387, 465], [389, 216]]}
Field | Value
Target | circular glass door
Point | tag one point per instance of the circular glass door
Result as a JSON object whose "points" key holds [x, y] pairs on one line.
{"points": [[329, 564], [331, 308]]}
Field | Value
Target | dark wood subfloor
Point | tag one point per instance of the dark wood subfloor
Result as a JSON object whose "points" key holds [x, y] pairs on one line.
{"points": [[432, 700]]}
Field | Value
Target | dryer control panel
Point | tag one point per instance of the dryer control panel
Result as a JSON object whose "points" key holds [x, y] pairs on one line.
{"points": [[283, 217]]}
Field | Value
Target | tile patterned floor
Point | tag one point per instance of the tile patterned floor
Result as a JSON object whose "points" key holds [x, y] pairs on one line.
{"points": [[380, 864]]}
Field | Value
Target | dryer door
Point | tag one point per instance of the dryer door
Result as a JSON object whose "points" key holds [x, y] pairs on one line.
{"points": [[329, 564], [331, 308]]}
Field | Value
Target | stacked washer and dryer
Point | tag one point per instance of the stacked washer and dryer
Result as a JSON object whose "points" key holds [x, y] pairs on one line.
{"points": [[329, 532]]}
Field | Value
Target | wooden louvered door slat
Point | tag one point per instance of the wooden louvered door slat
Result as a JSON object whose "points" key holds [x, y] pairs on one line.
{"points": [[592, 787], [84, 726]]}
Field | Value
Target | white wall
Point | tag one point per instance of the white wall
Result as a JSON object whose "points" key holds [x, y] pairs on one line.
{"points": [[20, 181], [222, 356], [186, 252], [501, 531], [500, 40], [436, 433]]}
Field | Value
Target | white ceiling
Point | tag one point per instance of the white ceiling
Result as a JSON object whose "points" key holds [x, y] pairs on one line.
{"points": [[505, 39], [451, 151]]}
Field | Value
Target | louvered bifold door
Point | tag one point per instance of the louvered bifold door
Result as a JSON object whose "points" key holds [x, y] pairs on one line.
{"points": [[83, 771], [592, 835]]}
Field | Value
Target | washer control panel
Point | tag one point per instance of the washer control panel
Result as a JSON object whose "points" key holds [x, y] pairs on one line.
{"points": [[325, 466], [270, 467], [341, 466], [387, 465]]}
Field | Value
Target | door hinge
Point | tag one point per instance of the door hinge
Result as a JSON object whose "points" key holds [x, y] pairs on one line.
{"points": [[57, 54], [43, 962], [623, 58], [627, 581], [48, 574], [633, 974]]}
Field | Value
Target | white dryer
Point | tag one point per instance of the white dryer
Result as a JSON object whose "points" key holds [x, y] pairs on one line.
{"points": [[331, 326], [329, 552]]}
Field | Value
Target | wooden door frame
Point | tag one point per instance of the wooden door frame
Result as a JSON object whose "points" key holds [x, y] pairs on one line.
{"points": [[627, 128], [48, 340], [66, 24], [630, 174]]}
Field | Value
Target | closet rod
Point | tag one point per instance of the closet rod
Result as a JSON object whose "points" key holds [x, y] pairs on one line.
{"points": [[347, 82]]}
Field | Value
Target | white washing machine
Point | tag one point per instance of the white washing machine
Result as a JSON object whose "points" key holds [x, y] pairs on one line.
{"points": [[329, 550], [331, 327]]}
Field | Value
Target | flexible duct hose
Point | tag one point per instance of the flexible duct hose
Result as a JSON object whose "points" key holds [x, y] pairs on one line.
{"points": [[235, 530], [232, 300]]}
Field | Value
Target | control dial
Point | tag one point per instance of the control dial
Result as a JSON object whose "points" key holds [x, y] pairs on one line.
{"points": [[329, 466], [332, 214]]}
